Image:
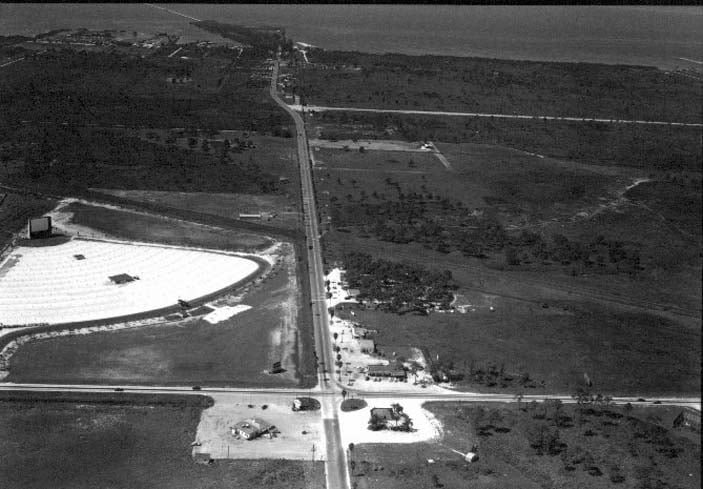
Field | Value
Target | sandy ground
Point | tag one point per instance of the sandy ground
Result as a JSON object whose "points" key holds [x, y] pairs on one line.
{"points": [[49, 285], [354, 424], [215, 436]]}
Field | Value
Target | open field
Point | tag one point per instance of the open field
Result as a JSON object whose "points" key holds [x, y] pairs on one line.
{"points": [[643, 147], [78, 290], [538, 446], [596, 314], [351, 79], [224, 205], [145, 443], [623, 353], [297, 432], [236, 351], [141, 227]]}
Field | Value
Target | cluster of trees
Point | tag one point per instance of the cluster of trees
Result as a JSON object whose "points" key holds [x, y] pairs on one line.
{"points": [[109, 88], [398, 287], [399, 421], [446, 225], [66, 158], [262, 40]]}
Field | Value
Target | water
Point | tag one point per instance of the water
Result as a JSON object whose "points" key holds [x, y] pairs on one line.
{"points": [[656, 36]]}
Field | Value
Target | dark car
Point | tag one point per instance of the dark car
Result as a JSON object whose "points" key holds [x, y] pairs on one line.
{"points": [[119, 389], [196, 387]]}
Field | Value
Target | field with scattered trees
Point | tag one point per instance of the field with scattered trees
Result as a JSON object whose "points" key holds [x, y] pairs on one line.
{"points": [[592, 444]]}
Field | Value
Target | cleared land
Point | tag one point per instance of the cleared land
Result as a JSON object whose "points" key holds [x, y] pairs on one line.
{"points": [[576, 260], [645, 147], [623, 353], [71, 282], [236, 351], [283, 213], [134, 442], [297, 432], [538, 446], [150, 228]]}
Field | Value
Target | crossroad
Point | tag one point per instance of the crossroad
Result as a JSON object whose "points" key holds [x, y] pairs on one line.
{"points": [[328, 389], [337, 473]]}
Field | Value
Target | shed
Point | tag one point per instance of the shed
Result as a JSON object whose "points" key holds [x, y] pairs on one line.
{"points": [[367, 346], [122, 278]]}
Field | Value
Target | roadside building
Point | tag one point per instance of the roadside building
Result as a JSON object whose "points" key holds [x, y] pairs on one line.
{"points": [[367, 346], [251, 428], [688, 418], [393, 370], [202, 458], [383, 414], [360, 333]]}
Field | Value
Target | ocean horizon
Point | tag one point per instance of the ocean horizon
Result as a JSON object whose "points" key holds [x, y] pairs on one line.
{"points": [[666, 37]]}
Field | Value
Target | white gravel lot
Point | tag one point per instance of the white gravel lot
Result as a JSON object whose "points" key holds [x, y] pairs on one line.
{"points": [[354, 424]]}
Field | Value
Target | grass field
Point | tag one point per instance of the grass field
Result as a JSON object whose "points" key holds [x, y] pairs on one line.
{"points": [[637, 146], [596, 448], [90, 442], [140, 227], [622, 353], [235, 352], [225, 205]]}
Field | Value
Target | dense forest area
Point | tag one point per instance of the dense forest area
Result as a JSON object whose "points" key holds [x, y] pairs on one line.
{"points": [[67, 159], [493, 86], [78, 87]]}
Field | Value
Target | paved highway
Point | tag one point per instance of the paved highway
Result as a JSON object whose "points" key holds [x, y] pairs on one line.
{"points": [[336, 473]]}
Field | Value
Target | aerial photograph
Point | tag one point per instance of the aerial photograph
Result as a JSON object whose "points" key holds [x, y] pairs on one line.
{"points": [[352, 246]]}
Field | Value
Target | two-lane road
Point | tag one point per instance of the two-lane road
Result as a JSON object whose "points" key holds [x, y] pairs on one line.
{"points": [[337, 474]]}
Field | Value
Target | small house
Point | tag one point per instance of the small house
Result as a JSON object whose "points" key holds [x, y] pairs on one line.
{"points": [[367, 346], [251, 428], [688, 418]]}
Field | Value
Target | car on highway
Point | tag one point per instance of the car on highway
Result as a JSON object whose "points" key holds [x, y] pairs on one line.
{"points": [[196, 387]]}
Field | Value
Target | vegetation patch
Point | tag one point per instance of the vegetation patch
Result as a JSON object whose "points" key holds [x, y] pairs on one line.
{"points": [[509, 345], [398, 287], [84, 441], [353, 404], [495, 86], [538, 445]]}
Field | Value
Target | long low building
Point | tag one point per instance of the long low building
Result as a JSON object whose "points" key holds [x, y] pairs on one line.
{"points": [[392, 370]]}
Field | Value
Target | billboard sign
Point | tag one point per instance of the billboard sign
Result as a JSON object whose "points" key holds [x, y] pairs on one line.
{"points": [[40, 227]]}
